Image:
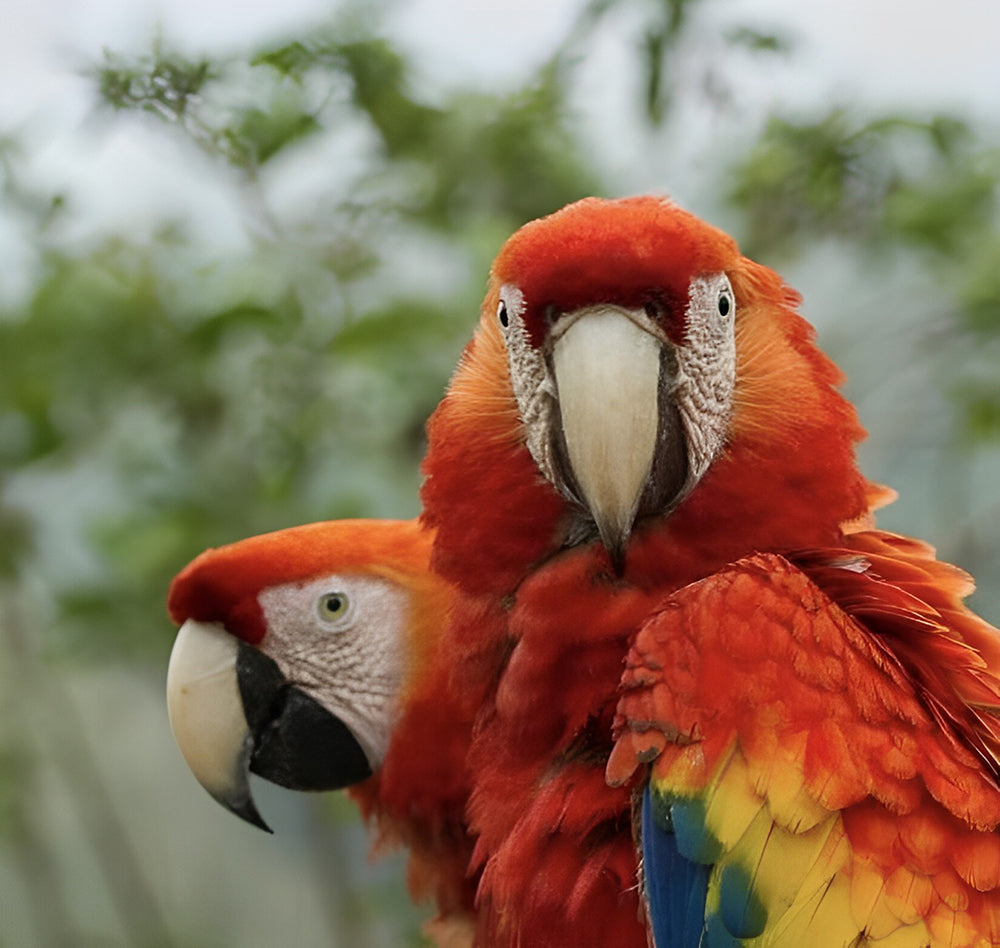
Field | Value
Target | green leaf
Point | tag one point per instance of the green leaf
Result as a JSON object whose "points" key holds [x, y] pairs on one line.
{"points": [[262, 134], [291, 60]]}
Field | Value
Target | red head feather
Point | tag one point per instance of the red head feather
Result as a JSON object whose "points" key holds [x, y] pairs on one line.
{"points": [[221, 585], [634, 252]]}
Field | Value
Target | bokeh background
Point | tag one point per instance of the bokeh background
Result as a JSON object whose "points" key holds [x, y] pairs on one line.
{"points": [[242, 245]]}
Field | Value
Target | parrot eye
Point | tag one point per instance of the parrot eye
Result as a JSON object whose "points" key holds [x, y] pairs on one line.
{"points": [[725, 302], [502, 314], [332, 606]]}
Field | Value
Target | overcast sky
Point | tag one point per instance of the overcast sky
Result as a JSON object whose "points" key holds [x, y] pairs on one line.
{"points": [[909, 53], [905, 49]]}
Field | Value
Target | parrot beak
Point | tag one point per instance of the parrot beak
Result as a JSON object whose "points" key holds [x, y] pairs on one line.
{"points": [[206, 715], [623, 448], [233, 712]]}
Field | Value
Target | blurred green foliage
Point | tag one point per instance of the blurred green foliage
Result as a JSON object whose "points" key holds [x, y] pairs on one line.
{"points": [[290, 382], [892, 186], [159, 395]]}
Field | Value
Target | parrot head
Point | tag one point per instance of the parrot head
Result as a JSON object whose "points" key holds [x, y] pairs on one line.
{"points": [[294, 654], [618, 320], [633, 369]]}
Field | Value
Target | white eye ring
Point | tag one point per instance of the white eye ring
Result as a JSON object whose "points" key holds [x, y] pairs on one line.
{"points": [[333, 606]]}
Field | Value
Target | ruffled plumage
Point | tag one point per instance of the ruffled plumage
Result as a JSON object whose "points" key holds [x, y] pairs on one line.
{"points": [[884, 808]]}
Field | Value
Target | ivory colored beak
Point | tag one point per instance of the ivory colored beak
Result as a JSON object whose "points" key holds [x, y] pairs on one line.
{"points": [[207, 717], [607, 373]]}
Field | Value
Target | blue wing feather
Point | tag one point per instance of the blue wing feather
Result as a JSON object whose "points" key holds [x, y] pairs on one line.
{"points": [[676, 886]]}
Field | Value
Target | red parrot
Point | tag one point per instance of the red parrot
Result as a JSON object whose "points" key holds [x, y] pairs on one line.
{"points": [[643, 464], [308, 656]]}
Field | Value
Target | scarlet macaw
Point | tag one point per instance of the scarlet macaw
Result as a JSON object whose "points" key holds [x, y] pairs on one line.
{"points": [[643, 456], [307, 656]]}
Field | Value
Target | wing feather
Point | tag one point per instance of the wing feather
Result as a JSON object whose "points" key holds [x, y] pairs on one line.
{"points": [[811, 736]]}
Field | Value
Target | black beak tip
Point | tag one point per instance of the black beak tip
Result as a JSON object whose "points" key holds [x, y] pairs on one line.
{"points": [[245, 809]]}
